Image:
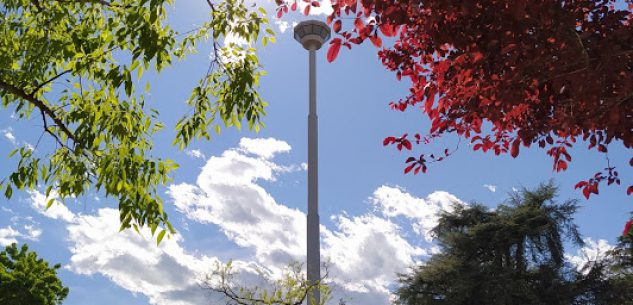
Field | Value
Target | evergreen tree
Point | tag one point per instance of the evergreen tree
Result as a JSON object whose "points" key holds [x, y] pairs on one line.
{"points": [[515, 255]]}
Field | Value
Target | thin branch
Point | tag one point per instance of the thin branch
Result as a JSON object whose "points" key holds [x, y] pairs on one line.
{"points": [[102, 2], [211, 5], [40, 86], [47, 130], [39, 104]]}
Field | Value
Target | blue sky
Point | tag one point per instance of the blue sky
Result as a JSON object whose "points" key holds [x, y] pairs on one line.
{"points": [[242, 196]]}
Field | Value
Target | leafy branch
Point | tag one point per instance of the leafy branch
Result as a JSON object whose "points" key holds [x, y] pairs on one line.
{"points": [[292, 289]]}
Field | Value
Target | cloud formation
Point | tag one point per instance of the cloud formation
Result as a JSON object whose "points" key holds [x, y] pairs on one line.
{"points": [[9, 235], [592, 251], [422, 212], [8, 134], [365, 252], [56, 211], [492, 188], [166, 274], [195, 153]]}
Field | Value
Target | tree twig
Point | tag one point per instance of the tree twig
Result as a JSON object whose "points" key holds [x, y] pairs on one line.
{"points": [[40, 105], [40, 86]]}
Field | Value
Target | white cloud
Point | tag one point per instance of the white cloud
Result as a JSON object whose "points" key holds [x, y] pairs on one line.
{"points": [[32, 232], [591, 252], [195, 153], [166, 274], [363, 241], [7, 210], [282, 24], [56, 211], [492, 188], [8, 236], [8, 134], [423, 212], [228, 195], [365, 252], [265, 148]]}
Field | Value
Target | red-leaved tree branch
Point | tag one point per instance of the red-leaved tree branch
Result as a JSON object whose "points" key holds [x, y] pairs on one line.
{"points": [[503, 74]]}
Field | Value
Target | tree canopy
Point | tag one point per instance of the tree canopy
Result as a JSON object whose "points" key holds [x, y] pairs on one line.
{"points": [[74, 64], [27, 279], [514, 254], [504, 74]]}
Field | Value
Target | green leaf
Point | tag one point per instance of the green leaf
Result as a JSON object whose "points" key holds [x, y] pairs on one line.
{"points": [[50, 203], [13, 152], [160, 236], [8, 192]]}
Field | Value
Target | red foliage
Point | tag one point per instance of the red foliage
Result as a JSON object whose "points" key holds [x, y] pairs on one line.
{"points": [[506, 73]]}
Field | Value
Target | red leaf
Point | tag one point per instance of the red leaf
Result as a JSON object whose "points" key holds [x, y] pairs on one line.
{"points": [[508, 48], [337, 26], [388, 140], [335, 46], [477, 57], [359, 24], [631, 162], [629, 190], [406, 144], [316, 4], [410, 159], [294, 6], [306, 11], [279, 13], [561, 166], [514, 152], [430, 100], [580, 184], [376, 41], [388, 30], [585, 192], [409, 168]]}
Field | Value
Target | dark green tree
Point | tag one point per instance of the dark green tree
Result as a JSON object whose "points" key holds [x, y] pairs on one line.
{"points": [[609, 280], [27, 279], [512, 255]]}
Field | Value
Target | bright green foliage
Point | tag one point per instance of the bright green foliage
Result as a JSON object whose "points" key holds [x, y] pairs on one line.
{"points": [[291, 289], [25, 279], [513, 255], [74, 65]]}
